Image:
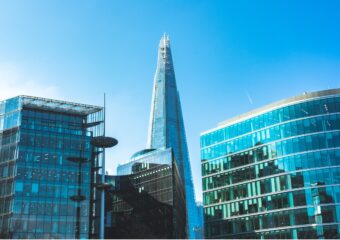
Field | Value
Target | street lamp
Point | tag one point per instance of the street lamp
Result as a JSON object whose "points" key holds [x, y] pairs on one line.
{"points": [[79, 197], [103, 142]]}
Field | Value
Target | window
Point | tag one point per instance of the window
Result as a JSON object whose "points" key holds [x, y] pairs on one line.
{"points": [[35, 187], [19, 187]]}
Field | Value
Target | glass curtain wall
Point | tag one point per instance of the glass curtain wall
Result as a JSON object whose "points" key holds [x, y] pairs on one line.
{"points": [[275, 175], [46, 168], [148, 199], [9, 138]]}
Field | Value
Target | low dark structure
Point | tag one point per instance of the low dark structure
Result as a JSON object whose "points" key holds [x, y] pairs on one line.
{"points": [[148, 200]]}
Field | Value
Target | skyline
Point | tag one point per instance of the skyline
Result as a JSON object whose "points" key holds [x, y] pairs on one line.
{"points": [[230, 58]]}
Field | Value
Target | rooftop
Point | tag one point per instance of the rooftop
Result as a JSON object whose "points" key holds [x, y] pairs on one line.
{"points": [[270, 107], [58, 105], [141, 153]]}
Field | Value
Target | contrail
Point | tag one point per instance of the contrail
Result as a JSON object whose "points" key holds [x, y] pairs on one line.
{"points": [[249, 98]]}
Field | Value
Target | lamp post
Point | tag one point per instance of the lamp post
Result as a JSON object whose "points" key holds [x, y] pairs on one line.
{"points": [[103, 142], [79, 197]]}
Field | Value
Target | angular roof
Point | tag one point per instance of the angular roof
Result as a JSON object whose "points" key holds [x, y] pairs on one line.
{"points": [[58, 105]]}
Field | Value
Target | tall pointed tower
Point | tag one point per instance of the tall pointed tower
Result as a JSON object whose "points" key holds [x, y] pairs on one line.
{"points": [[166, 129]]}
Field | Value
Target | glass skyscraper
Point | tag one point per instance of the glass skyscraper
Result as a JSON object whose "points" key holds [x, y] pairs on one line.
{"points": [[48, 168], [153, 194], [166, 128], [275, 172]]}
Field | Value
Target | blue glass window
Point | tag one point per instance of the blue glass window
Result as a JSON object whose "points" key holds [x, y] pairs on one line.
{"points": [[19, 186]]}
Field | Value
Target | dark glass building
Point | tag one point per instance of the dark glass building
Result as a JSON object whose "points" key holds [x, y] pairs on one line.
{"points": [[48, 168], [147, 198], [275, 172]]}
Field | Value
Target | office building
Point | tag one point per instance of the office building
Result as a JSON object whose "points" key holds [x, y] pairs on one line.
{"points": [[48, 168], [275, 172], [147, 198]]}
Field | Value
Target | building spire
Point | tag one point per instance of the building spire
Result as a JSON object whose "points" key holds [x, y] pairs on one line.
{"points": [[163, 98], [166, 126]]}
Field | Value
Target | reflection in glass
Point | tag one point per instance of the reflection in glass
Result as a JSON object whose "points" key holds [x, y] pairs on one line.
{"points": [[275, 174]]}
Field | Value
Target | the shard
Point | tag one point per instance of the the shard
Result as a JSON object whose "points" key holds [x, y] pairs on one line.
{"points": [[166, 129]]}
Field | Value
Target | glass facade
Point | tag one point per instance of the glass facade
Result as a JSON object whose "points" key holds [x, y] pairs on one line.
{"points": [[166, 128], [46, 160], [199, 229], [147, 198], [275, 173]]}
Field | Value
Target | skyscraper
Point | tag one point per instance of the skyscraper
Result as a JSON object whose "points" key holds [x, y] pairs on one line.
{"points": [[166, 129], [48, 168], [274, 172]]}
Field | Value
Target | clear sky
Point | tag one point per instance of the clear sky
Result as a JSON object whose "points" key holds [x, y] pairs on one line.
{"points": [[229, 56]]}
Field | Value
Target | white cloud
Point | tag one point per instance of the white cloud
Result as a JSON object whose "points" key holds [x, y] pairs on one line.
{"points": [[14, 81]]}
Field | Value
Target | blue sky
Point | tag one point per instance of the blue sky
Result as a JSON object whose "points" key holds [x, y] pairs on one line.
{"points": [[230, 57]]}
